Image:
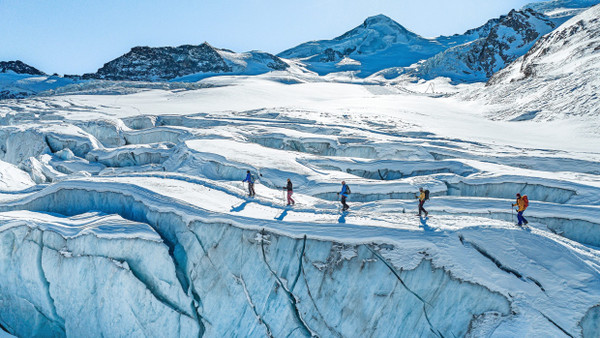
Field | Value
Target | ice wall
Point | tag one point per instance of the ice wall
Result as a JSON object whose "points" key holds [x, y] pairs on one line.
{"points": [[247, 282], [88, 286], [330, 289]]}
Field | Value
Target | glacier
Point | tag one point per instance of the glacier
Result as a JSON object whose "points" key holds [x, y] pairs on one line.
{"points": [[123, 212], [139, 225], [233, 264]]}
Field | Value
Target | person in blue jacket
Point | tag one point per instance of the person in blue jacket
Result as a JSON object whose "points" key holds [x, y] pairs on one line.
{"points": [[344, 193], [250, 179]]}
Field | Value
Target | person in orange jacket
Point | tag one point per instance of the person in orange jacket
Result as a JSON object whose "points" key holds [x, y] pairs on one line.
{"points": [[520, 209], [422, 197]]}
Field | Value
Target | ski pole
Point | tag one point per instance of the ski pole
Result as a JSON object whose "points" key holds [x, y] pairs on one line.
{"points": [[512, 213]]}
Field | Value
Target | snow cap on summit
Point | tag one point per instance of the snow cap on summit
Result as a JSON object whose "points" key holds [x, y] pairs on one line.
{"points": [[379, 18], [380, 22]]}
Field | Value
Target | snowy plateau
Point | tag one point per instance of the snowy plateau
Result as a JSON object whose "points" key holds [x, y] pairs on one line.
{"points": [[123, 212]]}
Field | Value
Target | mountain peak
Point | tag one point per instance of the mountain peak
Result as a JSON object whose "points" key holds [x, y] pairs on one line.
{"points": [[379, 42], [206, 44], [379, 26], [386, 25], [379, 19]]}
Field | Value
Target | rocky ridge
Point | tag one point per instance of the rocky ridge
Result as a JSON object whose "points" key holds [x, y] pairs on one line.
{"points": [[508, 38], [18, 67], [167, 63]]}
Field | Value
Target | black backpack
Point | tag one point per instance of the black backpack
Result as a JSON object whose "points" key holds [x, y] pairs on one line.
{"points": [[426, 194], [348, 190]]}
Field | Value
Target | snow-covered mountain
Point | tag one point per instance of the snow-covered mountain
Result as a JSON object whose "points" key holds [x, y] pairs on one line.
{"points": [[508, 37], [558, 77], [478, 53], [378, 43], [168, 63]]}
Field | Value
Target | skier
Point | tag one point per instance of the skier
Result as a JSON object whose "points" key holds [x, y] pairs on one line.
{"points": [[423, 196], [290, 191], [522, 203], [344, 192], [250, 179]]}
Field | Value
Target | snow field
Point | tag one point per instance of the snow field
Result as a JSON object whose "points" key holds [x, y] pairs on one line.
{"points": [[155, 201]]}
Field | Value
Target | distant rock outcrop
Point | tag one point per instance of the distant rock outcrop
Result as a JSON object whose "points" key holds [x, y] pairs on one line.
{"points": [[168, 63], [18, 67]]}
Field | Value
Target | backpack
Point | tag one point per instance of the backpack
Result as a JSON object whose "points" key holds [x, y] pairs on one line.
{"points": [[348, 190], [426, 194], [525, 201]]}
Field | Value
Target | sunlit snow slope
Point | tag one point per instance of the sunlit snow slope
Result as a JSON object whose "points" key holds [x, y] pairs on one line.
{"points": [[124, 214]]}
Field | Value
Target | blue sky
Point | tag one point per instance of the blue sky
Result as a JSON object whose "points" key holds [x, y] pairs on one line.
{"points": [[75, 37]]}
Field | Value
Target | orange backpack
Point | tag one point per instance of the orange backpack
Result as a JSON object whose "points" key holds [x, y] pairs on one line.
{"points": [[525, 201]]}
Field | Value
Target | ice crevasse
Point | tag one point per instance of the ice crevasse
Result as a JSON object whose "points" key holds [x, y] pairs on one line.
{"points": [[135, 269]]}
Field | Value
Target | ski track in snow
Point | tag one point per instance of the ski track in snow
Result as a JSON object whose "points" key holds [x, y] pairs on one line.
{"points": [[162, 169]]}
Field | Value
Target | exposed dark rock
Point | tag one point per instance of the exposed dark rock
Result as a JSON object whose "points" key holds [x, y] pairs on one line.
{"points": [[508, 38], [272, 61], [163, 63], [18, 67], [167, 63], [331, 55], [494, 46]]}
